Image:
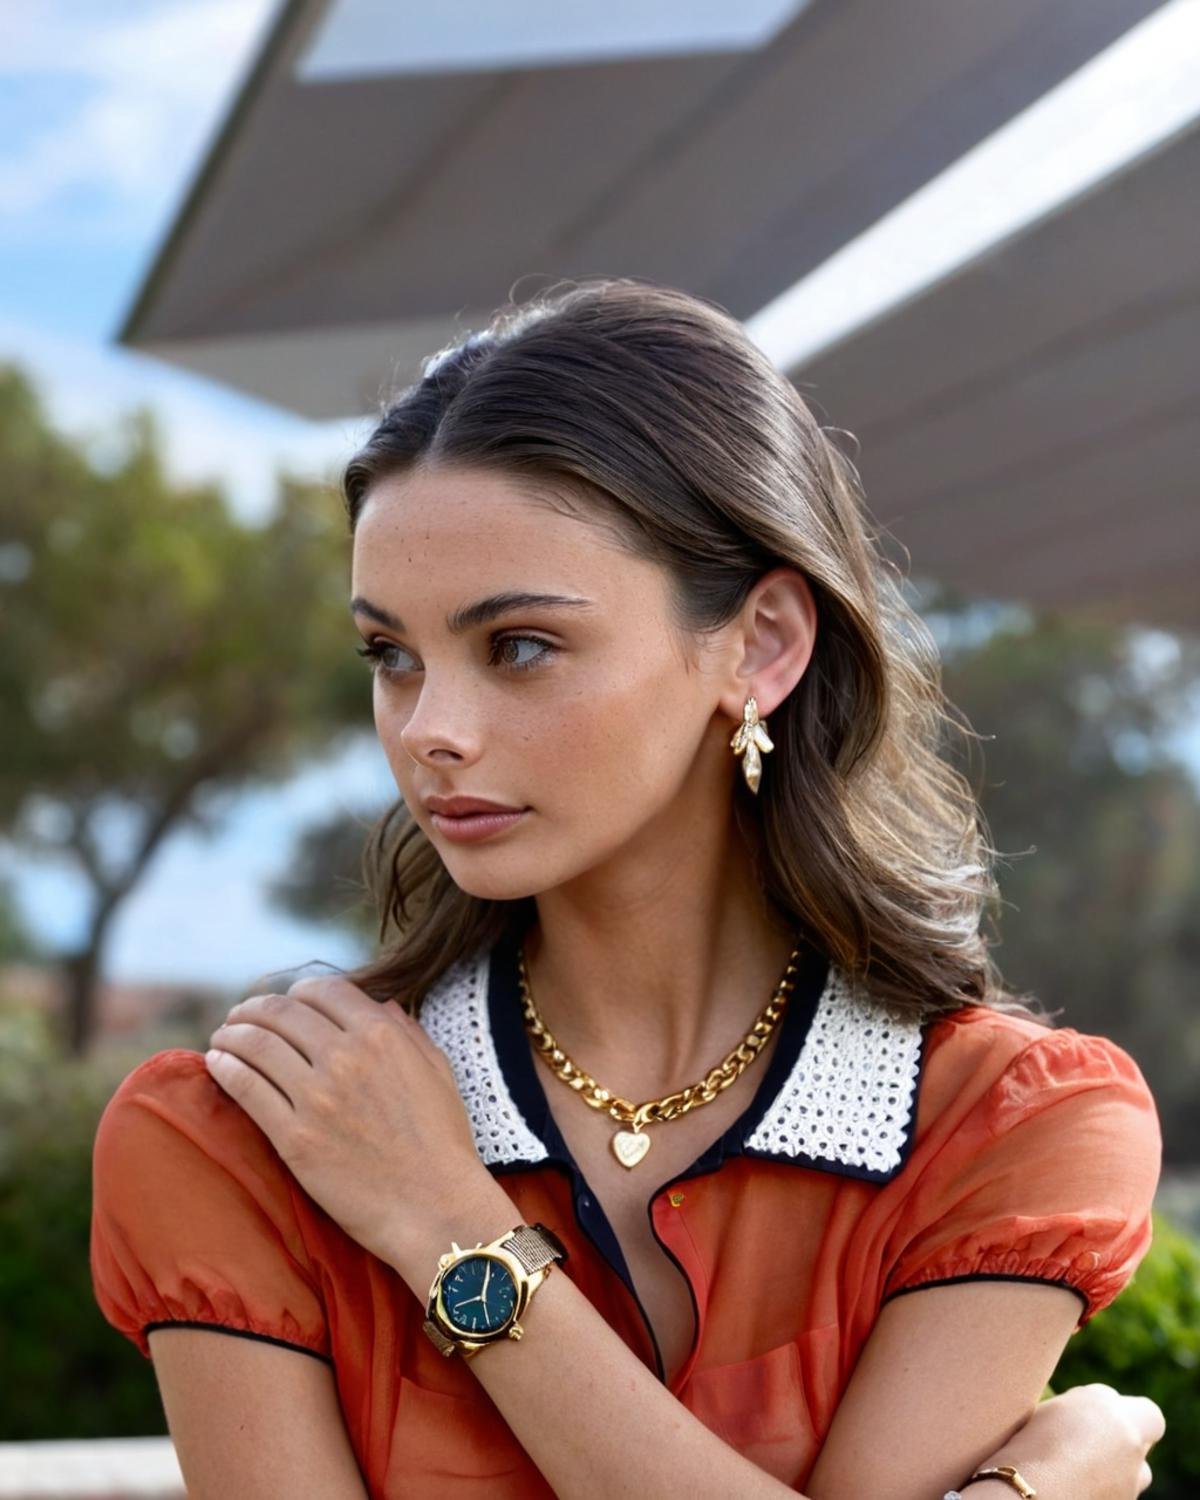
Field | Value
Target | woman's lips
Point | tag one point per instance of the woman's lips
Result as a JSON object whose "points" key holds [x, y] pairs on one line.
{"points": [[472, 827]]}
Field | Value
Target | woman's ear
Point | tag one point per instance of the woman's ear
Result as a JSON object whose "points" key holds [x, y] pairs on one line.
{"points": [[778, 630]]}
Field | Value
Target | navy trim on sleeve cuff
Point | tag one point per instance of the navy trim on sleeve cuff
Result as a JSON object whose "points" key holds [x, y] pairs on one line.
{"points": [[244, 1333], [990, 1276]]}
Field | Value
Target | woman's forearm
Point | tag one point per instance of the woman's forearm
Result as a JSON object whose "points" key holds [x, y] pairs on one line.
{"points": [[594, 1419], [580, 1402], [585, 1408]]}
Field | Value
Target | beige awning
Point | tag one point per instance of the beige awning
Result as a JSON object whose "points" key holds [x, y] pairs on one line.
{"points": [[1029, 425]]}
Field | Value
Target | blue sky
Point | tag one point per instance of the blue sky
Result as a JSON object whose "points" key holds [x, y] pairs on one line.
{"points": [[105, 114], [105, 111]]}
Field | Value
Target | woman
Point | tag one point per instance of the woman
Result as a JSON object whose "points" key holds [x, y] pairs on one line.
{"points": [[667, 739]]}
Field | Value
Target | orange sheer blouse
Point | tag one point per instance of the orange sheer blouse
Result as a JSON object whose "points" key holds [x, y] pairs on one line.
{"points": [[875, 1157]]}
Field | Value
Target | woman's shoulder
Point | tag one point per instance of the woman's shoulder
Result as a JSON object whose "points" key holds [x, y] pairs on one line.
{"points": [[1037, 1156], [983, 1036], [175, 1079], [172, 1137], [195, 1218], [170, 1105], [1014, 1064], [175, 1068]]}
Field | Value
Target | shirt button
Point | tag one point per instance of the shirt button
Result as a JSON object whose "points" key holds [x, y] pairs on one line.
{"points": [[676, 1199], [585, 1201]]}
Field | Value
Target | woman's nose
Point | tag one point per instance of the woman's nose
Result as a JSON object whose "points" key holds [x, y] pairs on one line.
{"points": [[440, 729]]}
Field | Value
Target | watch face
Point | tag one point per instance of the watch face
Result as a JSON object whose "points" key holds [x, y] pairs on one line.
{"points": [[479, 1295]]}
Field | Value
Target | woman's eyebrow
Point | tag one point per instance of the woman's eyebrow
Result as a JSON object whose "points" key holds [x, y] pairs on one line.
{"points": [[467, 616]]}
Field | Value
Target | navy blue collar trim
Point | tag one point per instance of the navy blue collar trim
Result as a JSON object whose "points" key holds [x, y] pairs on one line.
{"points": [[795, 1072], [521, 1068]]}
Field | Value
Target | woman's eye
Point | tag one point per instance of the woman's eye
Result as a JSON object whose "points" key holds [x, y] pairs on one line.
{"points": [[506, 651], [379, 658], [509, 651]]}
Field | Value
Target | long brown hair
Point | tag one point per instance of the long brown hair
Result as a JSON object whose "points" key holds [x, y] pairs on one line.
{"points": [[652, 412]]}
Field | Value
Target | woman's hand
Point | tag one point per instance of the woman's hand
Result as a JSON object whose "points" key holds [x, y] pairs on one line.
{"points": [[1090, 1443], [358, 1101]]}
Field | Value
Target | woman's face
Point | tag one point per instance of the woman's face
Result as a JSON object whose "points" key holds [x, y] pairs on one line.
{"points": [[593, 715]]}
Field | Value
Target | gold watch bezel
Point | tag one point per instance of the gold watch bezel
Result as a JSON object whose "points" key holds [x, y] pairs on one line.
{"points": [[435, 1308]]}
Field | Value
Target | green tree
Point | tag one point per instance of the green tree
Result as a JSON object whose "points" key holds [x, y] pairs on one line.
{"points": [[159, 654], [1099, 825], [17, 943], [322, 879]]}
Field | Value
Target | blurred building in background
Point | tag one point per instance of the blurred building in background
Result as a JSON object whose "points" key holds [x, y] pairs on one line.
{"points": [[124, 1010], [968, 233]]}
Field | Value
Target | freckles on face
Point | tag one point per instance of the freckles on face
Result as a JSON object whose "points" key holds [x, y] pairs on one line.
{"points": [[589, 734]]}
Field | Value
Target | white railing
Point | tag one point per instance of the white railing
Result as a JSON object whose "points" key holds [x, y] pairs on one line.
{"points": [[91, 1469]]}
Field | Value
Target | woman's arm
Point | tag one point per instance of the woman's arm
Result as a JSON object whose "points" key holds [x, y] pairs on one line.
{"points": [[252, 1421], [947, 1376]]}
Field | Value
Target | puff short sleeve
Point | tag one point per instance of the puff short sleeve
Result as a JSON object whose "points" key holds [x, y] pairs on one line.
{"points": [[193, 1214], [1049, 1175]]}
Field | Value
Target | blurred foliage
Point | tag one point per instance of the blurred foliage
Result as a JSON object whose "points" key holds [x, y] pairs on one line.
{"points": [[323, 877], [17, 943], [67, 1373], [159, 653], [1098, 824], [1147, 1343]]}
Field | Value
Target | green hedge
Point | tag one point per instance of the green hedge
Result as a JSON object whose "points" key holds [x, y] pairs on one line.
{"points": [[68, 1374], [1148, 1344]]}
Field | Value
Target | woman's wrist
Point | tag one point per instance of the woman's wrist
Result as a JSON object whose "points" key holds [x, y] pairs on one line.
{"points": [[480, 1210]]}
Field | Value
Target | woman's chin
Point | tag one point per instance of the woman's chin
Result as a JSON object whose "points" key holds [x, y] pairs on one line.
{"points": [[503, 893], [472, 877]]}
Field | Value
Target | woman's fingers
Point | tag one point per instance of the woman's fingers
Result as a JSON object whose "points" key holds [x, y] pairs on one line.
{"points": [[1139, 1415], [1117, 1430], [267, 1053], [308, 1029], [1149, 1419]]}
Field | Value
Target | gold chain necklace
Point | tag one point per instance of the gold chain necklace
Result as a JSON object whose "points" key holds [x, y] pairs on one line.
{"points": [[630, 1146]]}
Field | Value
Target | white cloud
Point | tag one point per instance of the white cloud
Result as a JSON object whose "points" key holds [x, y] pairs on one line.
{"points": [[157, 82], [207, 433]]}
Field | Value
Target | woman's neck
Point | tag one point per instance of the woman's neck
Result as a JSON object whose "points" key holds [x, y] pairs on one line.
{"points": [[649, 971]]}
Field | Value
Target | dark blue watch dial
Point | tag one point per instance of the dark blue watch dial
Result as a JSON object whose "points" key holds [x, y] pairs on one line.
{"points": [[479, 1295]]}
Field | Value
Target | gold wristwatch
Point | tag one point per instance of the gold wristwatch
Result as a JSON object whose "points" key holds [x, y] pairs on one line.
{"points": [[478, 1295]]}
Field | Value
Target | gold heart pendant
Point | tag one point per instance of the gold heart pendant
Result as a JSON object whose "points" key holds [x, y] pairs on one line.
{"points": [[629, 1146]]}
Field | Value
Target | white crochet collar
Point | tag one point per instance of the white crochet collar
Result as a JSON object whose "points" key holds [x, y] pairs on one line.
{"points": [[848, 1104]]}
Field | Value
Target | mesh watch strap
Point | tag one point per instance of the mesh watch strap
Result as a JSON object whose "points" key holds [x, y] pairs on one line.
{"points": [[534, 1246], [440, 1342]]}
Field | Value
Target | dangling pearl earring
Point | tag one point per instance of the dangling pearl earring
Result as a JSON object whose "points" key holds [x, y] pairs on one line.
{"points": [[749, 738]]}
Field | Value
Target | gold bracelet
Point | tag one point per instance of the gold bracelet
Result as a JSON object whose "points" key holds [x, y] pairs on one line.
{"points": [[1010, 1476]]}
